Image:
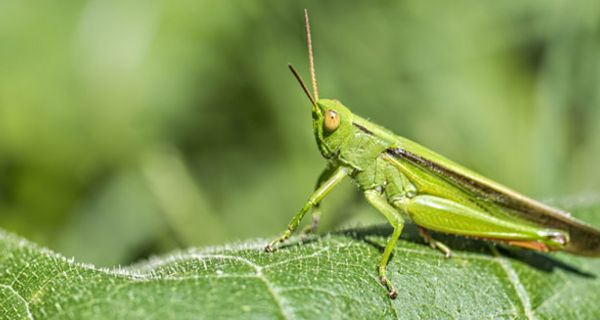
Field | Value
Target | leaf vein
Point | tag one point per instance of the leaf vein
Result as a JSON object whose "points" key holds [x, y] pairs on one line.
{"points": [[297, 258], [18, 295], [516, 283]]}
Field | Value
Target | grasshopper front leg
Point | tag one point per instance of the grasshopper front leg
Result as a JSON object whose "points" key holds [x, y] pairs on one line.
{"points": [[381, 204], [336, 177], [316, 209]]}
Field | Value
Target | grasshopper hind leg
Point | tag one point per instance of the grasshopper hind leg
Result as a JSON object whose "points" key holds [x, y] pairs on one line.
{"points": [[452, 217]]}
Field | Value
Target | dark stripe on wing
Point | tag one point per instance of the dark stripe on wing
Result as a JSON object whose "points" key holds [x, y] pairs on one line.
{"points": [[472, 185]]}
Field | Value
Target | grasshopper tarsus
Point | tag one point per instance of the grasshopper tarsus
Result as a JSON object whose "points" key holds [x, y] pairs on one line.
{"points": [[305, 233], [271, 246], [392, 293], [435, 244], [312, 228], [440, 246]]}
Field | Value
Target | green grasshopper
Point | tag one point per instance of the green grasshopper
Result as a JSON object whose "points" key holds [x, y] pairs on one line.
{"points": [[403, 179]]}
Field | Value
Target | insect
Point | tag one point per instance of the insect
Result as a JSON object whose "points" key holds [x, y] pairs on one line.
{"points": [[402, 179]]}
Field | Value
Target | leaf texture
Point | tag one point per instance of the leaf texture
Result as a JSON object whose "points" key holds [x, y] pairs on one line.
{"points": [[331, 276]]}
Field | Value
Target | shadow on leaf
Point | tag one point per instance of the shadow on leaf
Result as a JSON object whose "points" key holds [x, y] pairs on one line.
{"points": [[540, 261]]}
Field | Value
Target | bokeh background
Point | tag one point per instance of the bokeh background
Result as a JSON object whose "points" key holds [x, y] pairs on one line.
{"points": [[129, 128]]}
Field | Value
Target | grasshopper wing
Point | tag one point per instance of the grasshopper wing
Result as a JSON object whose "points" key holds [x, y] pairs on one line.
{"points": [[584, 239]]}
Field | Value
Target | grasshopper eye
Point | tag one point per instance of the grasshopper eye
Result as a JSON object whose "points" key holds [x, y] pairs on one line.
{"points": [[332, 120]]}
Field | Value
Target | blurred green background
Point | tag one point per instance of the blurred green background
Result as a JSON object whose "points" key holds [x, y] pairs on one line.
{"points": [[129, 128]]}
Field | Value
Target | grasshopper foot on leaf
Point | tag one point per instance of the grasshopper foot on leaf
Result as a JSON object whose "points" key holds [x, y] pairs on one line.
{"points": [[312, 228], [271, 246], [434, 243], [392, 293]]}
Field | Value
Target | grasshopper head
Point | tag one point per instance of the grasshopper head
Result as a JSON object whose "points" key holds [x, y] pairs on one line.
{"points": [[332, 123]]}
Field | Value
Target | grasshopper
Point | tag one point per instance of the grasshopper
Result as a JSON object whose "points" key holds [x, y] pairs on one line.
{"points": [[404, 180]]}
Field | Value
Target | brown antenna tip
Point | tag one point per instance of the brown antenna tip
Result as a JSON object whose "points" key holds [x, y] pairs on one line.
{"points": [[311, 61], [303, 85]]}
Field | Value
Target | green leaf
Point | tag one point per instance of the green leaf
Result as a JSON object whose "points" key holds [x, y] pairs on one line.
{"points": [[331, 276]]}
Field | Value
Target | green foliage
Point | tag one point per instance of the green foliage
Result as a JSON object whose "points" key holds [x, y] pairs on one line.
{"points": [[128, 128], [332, 276]]}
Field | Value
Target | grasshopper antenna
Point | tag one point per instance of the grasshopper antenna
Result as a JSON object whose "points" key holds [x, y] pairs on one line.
{"points": [[311, 61], [303, 85]]}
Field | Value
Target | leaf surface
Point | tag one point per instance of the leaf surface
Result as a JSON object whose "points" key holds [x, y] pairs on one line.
{"points": [[332, 276]]}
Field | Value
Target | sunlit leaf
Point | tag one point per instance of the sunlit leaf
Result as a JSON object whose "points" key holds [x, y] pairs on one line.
{"points": [[331, 276]]}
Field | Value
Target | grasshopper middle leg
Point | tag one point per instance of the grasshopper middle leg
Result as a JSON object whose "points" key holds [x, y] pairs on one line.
{"points": [[381, 204]]}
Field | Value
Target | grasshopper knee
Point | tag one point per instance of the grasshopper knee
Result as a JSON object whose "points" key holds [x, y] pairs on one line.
{"points": [[555, 238]]}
